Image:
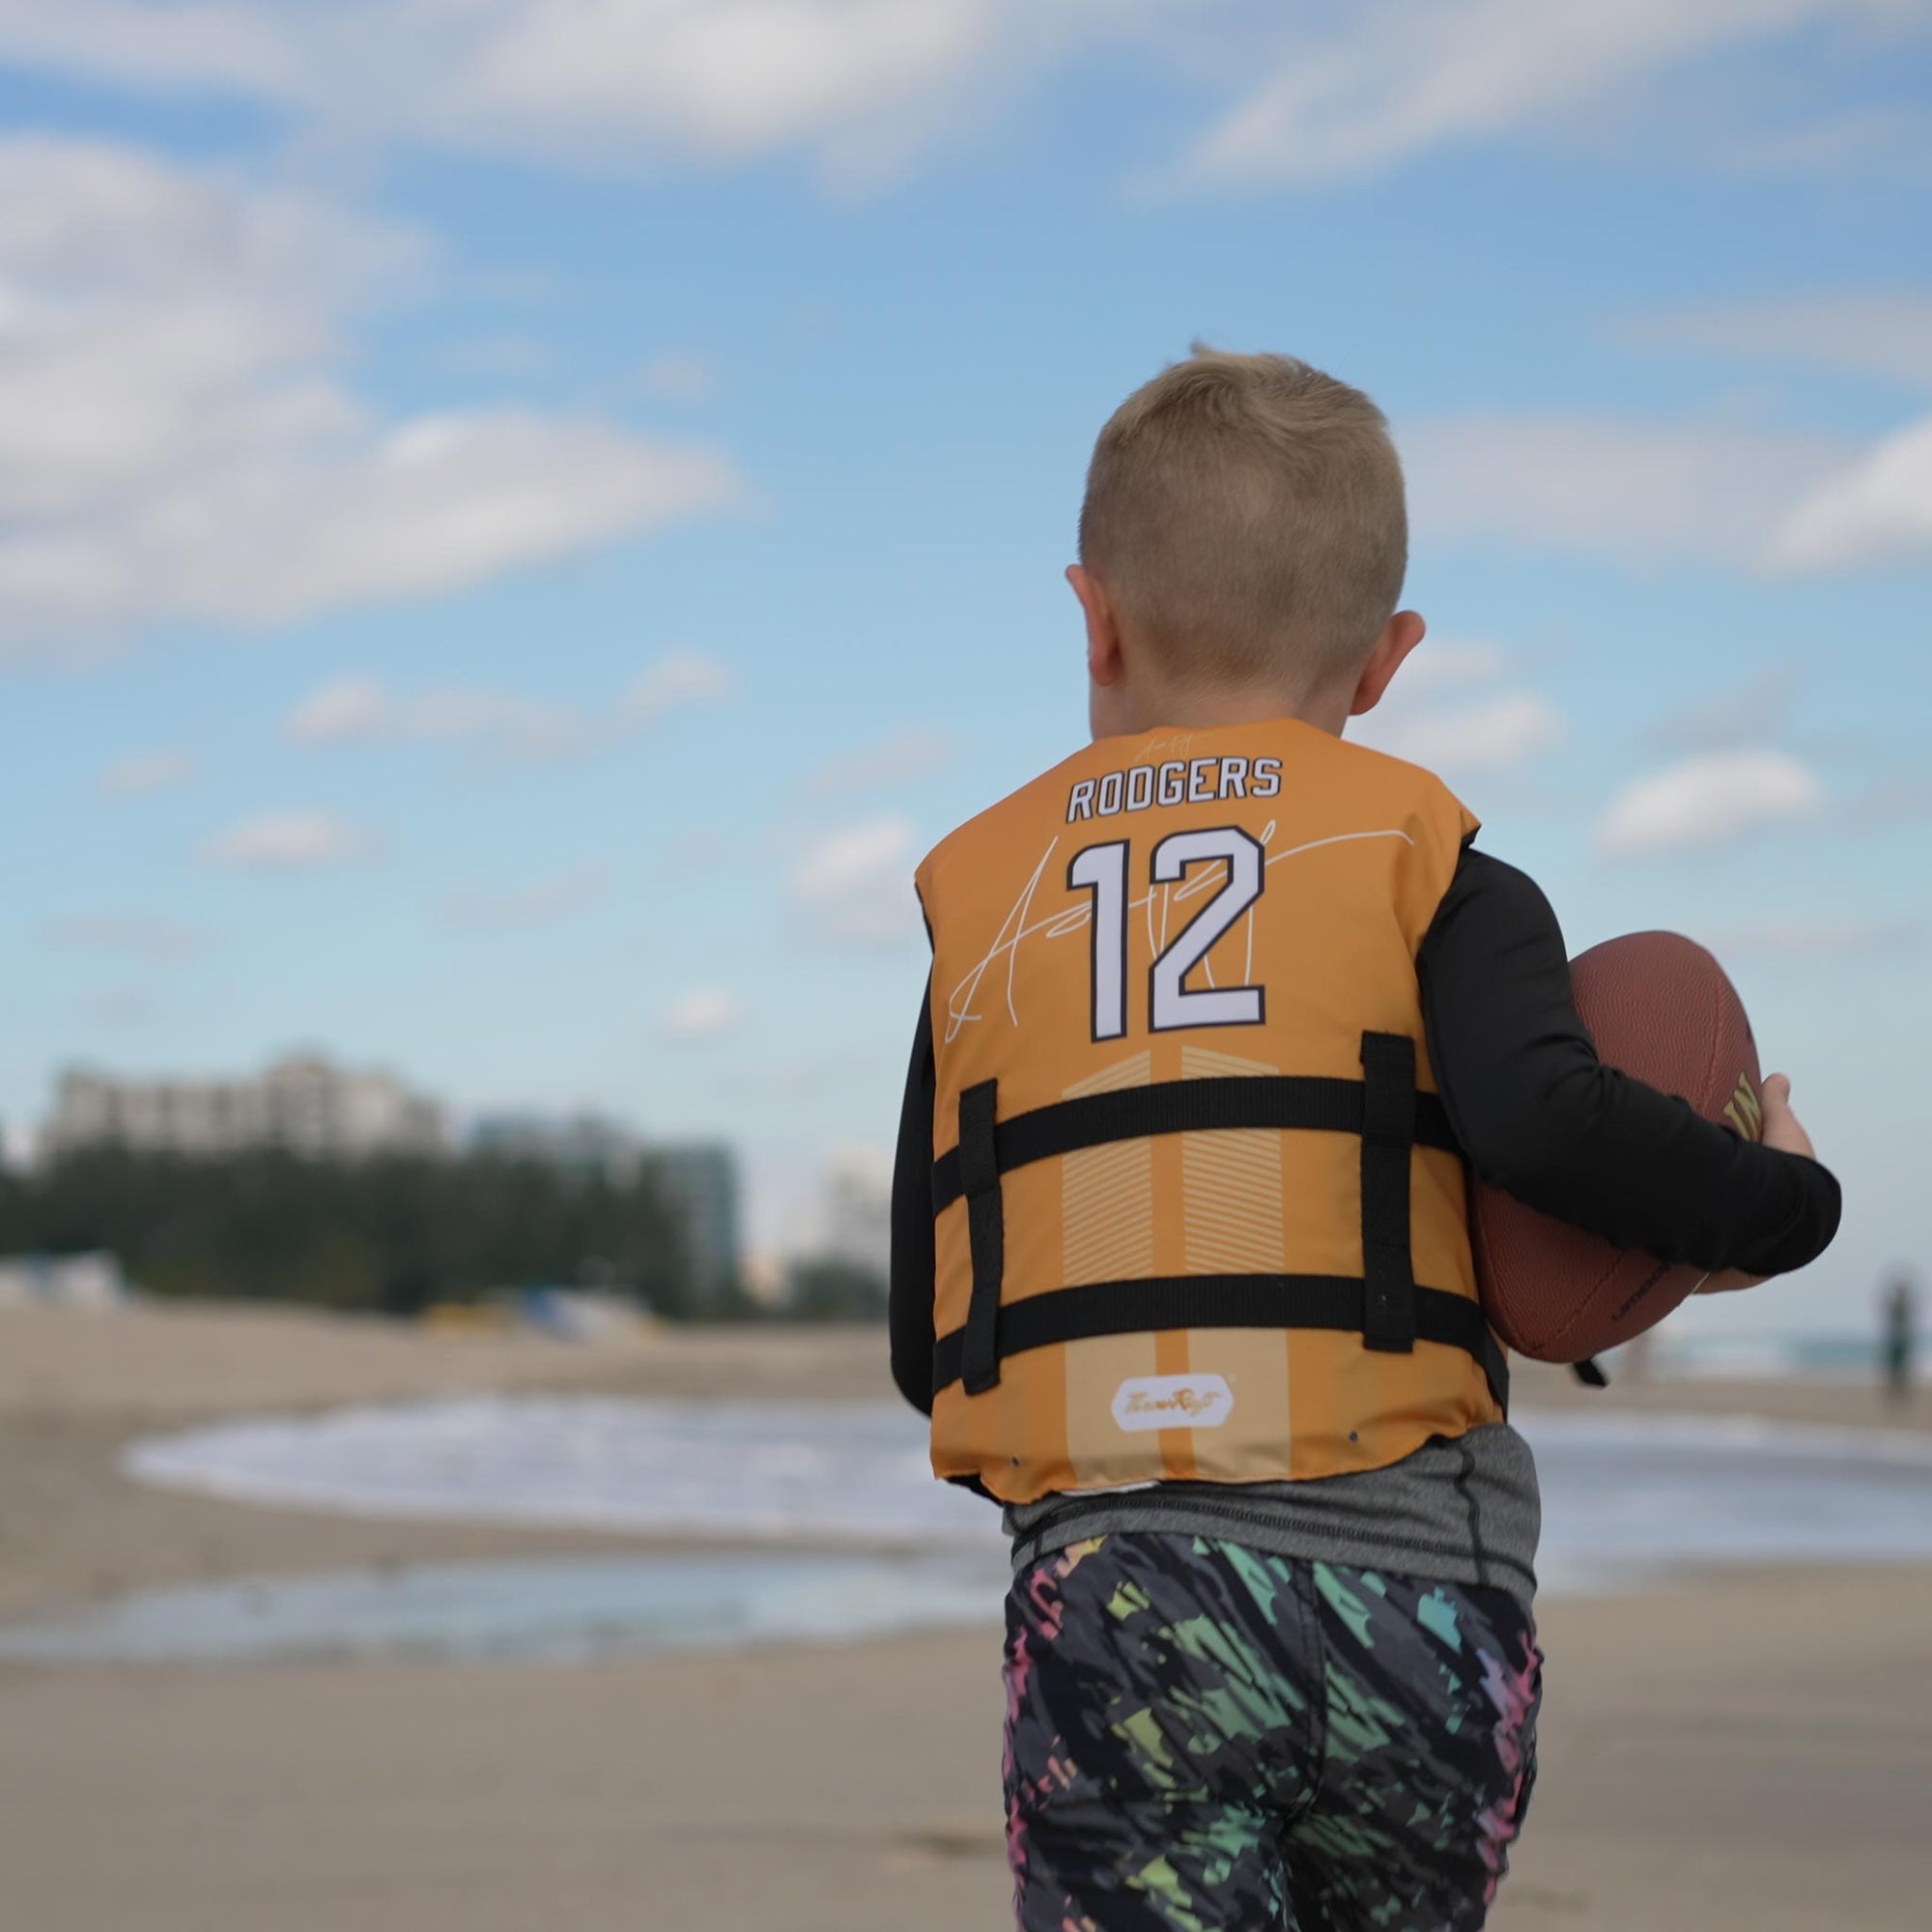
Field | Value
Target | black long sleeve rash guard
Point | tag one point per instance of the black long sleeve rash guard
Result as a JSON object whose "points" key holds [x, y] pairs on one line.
{"points": [[1537, 1112]]}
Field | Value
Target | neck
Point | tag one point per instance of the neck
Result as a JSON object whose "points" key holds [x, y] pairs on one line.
{"points": [[1201, 710]]}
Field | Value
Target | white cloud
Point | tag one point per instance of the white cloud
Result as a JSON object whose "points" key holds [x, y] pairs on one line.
{"points": [[1355, 90], [1765, 500], [122, 1007], [1738, 715], [705, 1012], [602, 83], [215, 44], [1709, 800], [163, 941], [1319, 91], [1867, 507], [855, 80], [507, 353], [676, 375], [684, 677], [289, 841], [349, 710], [361, 710], [1451, 710], [1492, 733], [147, 772], [1879, 510], [1807, 939], [1887, 335], [897, 759], [1450, 663], [1638, 492], [543, 903], [689, 849], [1888, 803], [176, 440], [853, 887]]}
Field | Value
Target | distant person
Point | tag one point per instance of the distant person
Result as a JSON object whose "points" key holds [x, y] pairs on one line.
{"points": [[1899, 1345], [1181, 1256]]}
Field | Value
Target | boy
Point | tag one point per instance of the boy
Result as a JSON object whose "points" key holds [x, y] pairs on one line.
{"points": [[1220, 1009]]}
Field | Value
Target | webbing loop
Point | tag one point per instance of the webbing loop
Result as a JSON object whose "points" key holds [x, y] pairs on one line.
{"points": [[986, 1235], [1388, 1139], [1282, 1103], [1153, 1303]]}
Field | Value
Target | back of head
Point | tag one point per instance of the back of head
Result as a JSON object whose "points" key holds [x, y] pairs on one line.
{"points": [[1246, 516]]}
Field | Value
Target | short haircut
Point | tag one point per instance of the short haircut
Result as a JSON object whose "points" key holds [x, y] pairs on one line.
{"points": [[1246, 513]]}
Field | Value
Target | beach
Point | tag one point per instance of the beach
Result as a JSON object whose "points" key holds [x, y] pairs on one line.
{"points": [[1743, 1748]]}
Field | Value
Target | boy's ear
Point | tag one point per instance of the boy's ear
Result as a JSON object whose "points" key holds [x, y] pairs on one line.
{"points": [[1103, 626], [1400, 635]]}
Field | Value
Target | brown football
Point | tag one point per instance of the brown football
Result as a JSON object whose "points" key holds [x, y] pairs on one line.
{"points": [[1658, 1006]]}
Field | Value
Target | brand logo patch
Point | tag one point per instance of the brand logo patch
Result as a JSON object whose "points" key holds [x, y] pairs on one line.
{"points": [[1745, 1110], [1173, 1401]]}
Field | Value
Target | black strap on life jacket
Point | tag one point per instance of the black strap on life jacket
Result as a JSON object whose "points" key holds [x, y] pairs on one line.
{"points": [[1385, 1305], [986, 1232], [1388, 1139], [1147, 1303], [1277, 1101]]}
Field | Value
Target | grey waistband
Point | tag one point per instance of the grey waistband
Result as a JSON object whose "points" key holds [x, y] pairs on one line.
{"points": [[1463, 1510]]}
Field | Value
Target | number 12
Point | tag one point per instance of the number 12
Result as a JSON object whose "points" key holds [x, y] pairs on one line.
{"points": [[1101, 871]]}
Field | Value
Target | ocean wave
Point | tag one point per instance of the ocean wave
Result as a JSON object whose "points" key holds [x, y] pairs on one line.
{"points": [[1621, 1492]]}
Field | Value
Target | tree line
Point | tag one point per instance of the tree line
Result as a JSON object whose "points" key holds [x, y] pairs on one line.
{"points": [[393, 1234]]}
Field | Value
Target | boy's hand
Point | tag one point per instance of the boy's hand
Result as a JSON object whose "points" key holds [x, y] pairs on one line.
{"points": [[1782, 1132], [1781, 1124]]}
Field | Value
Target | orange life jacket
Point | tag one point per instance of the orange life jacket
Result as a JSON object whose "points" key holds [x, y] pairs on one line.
{"points": [[1200, 1212]]}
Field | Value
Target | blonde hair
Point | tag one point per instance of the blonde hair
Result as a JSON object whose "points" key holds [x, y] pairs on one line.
{"points": [[1247, 514]]}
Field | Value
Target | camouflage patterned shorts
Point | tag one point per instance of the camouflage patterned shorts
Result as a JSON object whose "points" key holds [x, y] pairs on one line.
{"points": [[1202, 1736]]}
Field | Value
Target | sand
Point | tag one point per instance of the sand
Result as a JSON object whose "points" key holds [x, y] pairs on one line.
{"points": [[75, 1388], [1752, 1749]]}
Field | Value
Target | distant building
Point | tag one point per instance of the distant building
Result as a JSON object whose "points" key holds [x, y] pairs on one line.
{"points": [[857, 1206], [18, 1142], [582, 1144], [700, 1180], [306, 1104], [841, 1273], [766, 1275]]}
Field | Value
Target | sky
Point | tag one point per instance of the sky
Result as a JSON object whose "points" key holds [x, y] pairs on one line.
{"points": [[521, 519]]}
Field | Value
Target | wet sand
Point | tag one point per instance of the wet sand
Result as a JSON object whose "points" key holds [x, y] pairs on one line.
{"points": [[1752, 1749], [76, 1389]]}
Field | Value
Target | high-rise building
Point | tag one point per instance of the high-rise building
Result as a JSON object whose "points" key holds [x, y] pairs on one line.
{"points": [[700, 1180], [857, 1206], [585, 1144], [306, 1104]]}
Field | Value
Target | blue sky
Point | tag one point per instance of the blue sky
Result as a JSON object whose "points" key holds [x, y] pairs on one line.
{"points": [[520, 520]]}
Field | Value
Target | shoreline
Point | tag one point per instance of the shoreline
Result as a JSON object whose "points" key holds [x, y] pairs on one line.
{"points": [[77, 1389], [1746, 1748], [1707, 1764]]}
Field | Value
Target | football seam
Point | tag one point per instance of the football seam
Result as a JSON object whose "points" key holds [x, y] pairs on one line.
{"points": [[1588, 1305], [1718, 984]]}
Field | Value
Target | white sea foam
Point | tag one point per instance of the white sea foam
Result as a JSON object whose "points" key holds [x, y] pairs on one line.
{"points": [[1621, 1492], [787, 1473], [1627, 1499]]}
